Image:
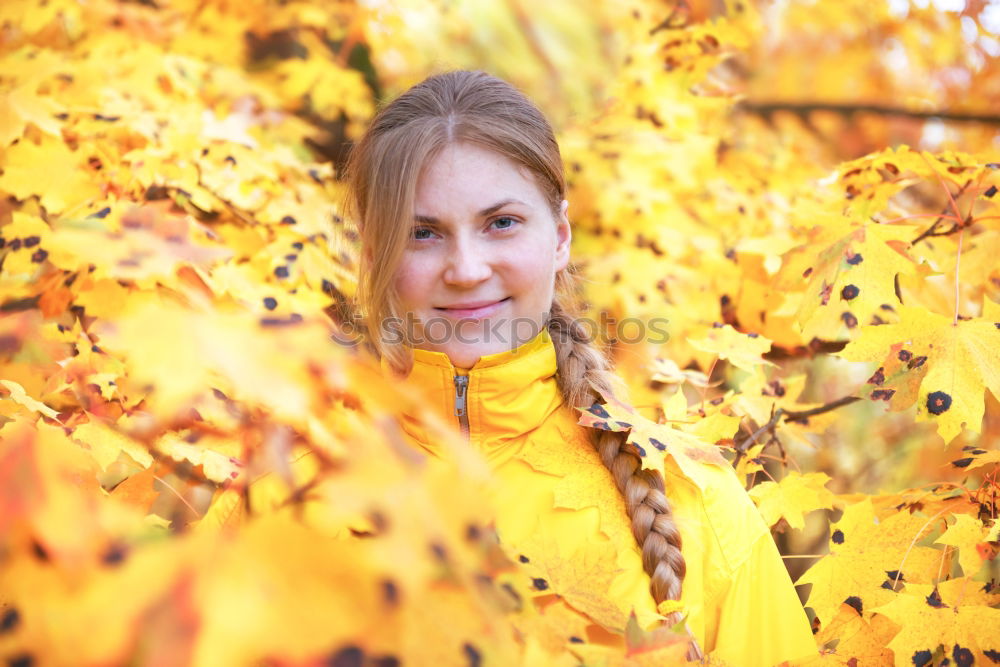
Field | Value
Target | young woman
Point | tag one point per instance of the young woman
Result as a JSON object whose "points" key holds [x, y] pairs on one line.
{"points": [[468, 293]]}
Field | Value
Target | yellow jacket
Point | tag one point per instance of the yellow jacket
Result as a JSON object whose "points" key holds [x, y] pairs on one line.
{"points": [[560, 515]]}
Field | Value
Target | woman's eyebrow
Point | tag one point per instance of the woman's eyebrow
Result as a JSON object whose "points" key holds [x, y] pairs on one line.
{"points": [[431, 220]]}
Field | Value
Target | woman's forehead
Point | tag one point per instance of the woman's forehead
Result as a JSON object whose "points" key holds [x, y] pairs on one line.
{"points": [[472, 177]]}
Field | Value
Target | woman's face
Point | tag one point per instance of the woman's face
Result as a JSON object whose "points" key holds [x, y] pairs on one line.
{"points": [[478, 273]]}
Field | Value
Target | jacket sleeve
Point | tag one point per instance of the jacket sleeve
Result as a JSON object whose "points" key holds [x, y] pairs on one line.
{"points": [[761, 621]]}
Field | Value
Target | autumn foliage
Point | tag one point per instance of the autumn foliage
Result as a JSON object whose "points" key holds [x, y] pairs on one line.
{"points": [[808, 192]]}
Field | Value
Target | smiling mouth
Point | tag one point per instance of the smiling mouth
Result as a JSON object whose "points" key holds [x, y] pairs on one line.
{"points": [[473, 310]]}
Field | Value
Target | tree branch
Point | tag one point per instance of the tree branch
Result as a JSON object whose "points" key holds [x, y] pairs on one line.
{"points": [[805, 108], [789, 415]]}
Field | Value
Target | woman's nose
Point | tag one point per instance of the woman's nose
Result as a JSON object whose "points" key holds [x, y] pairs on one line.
{"points": [[467, 264]]}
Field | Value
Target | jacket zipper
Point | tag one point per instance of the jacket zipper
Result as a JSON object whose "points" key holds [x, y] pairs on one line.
{"points": [[462, 403]]}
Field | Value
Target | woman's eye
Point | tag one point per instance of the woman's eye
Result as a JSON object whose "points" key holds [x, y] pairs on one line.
{"points": [[422, 233], [504, 222]]}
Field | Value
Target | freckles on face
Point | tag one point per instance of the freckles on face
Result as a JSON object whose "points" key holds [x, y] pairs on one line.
{"points": [[479, 268]]}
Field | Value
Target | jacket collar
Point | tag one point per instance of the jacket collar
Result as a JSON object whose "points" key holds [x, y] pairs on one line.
{"points": [[509, 394]]}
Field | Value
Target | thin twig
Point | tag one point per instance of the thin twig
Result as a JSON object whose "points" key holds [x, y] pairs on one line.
{"points": [[789, 415], [958, 260], [805, 108]]}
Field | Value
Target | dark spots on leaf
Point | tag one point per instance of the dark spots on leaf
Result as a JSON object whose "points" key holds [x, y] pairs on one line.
{"points": [[993, 655], [39, 255], [472, 532], [753, 334], [472, 654], [270, 302], [717, 325], [107, 119], [878, 377], [298, 245], [154, 192], [977, 452], [717, 400], [837, 537], [386, 661], [904, 355], [230, 159], [962, 463], [281, 272], [524, 559], [349, 656], [439, 552], [602, 425], [962, 656], [656, 443], [540, 584], [938, 402], [849, 292], [854, 259], [642, 452], [291, 257], [921, 658], [623, 424], [824, 294], [32, 241], [991, 191], [21, 660], [934, 599], [807, 272], [916, 362], [15, 244], [39, 551], [895, 574], [849, 319], [891, 168], [575, 640], [288, 220], [514, 595], [10, 620], [390, 592], [854, 601], [115, 555], [314, 174], [883, 394], [598, 411]]}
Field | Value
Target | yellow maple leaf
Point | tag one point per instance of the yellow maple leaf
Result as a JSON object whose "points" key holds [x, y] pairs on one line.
{"points": [[965, 534], [20, 396], [947, 615], [655, 442], [106, 444], [962, 360], [793, 497], [865, 554], [50, 170], [743, 350]]}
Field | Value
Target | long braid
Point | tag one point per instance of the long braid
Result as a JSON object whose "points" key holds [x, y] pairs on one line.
{"points": [[584, 373]]}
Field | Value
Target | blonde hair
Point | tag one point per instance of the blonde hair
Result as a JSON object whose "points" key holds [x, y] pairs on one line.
{"points": [[383, 168]]}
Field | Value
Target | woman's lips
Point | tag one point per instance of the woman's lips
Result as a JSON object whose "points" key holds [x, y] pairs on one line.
{"points": [[474, 311]]}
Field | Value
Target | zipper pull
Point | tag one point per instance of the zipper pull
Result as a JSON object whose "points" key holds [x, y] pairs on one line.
{"points": [[461, 403], [461, 385]]}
